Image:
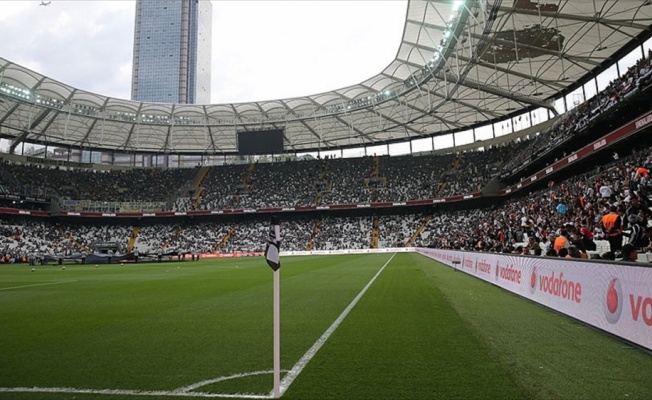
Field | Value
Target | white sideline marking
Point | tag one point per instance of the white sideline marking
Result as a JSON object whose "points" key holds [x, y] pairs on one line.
{"points": [[303, 361], [185, 391], [36, 284], [121, 392]]}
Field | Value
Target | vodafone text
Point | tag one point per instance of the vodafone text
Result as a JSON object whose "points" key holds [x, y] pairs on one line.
{"points": [[641, 307], [559, 287], [510, 273]]}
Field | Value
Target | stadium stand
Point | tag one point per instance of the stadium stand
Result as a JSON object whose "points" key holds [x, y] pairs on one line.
{"points": [[574, 202]]}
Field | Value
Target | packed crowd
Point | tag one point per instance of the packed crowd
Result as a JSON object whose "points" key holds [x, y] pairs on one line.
{"points": [[129, 185], [611, 203], [574, 121], [322, 181], [25, 238]]}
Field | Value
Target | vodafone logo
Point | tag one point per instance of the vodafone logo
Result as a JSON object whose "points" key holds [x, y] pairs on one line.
{"points": [[509, 273], [557, 286], [640, 306], [483, 267], [533, 281], [613, 301]]}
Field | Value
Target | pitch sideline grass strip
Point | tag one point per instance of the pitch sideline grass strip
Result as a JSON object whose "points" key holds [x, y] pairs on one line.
{"points": [[549, 355], [36, 284], [303, 361], [404, 341]]}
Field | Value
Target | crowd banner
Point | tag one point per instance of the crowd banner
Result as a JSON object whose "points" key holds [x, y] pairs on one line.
{"points": [[616, 298]]}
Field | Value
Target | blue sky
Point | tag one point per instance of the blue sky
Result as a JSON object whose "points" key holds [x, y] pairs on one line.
{"points": [[261, 49]]}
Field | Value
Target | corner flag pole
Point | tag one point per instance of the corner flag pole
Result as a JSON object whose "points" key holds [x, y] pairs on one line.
{"points": [[277, 334], [274, 261]]}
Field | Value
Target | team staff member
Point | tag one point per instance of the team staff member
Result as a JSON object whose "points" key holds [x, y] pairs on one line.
{"points": [[561, 242], [613, 227]]}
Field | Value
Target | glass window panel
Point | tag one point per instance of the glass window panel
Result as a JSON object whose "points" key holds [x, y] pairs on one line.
{"points": [[330, 153], [443, 142], [606, 77], [396, 149], [503, 128], [574, 98], [421, 145], [539, 115], [484, 132], [354, 152], [521, 122], [590, 89], [559, 105], [464, 137], [379, 150], [647, 46], [629, 60], [308, 155]]}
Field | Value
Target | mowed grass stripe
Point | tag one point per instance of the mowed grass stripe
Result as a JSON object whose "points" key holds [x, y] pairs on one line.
{"points": [[404, 341], [163, 326], [549, 355], [420, 331]]}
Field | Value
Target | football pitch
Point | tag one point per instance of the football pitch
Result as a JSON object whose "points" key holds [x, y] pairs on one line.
{"points": [[378, 326]]}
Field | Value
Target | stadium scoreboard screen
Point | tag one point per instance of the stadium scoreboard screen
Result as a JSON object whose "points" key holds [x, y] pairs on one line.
{"points": [[268, 141]]}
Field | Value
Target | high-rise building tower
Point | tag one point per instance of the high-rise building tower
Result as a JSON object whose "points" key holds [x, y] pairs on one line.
{"points": [[172, 51]]}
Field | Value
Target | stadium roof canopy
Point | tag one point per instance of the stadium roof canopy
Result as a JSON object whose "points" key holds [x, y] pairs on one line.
{"points": [[460, 64]]}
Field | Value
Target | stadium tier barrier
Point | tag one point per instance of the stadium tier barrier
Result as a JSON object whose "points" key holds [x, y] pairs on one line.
{"points": [[614, 297]]}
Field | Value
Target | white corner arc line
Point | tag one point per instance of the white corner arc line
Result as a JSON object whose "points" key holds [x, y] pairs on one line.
{"points": [[36, 284], [220, 379], [303, 361]]}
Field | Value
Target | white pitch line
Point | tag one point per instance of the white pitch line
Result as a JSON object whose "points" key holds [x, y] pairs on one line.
{"points": [[303, 361], [220, 379], [36, 284], [185, 391], [123, 392]]}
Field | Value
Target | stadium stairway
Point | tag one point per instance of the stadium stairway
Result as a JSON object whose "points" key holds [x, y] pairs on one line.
{"points": [[315, 230], [132, 240], [373, 190], [244, 181], [175, 238], [374, 233], [72, 239], [455, 164], [322, 178], [419, 230], [198, 189], [225, 239]]}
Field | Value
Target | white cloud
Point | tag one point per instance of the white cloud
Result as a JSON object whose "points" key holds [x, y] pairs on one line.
{"points": [[261, 49]]}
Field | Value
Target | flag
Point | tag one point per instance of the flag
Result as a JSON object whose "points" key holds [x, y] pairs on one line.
{"points": [[273, 245]]}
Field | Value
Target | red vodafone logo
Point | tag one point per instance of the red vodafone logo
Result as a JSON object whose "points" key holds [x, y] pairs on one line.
{"points": [[533, 281], [613, 301]]}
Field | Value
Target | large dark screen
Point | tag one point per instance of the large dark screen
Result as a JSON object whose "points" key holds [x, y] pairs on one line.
{"points": [[261, 142]]}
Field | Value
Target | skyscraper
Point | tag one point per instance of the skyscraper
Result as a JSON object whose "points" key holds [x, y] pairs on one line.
{"points": [[172, 51]]}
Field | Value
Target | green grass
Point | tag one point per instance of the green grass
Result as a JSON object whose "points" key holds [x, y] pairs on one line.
{"points": [[421, 331]]}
